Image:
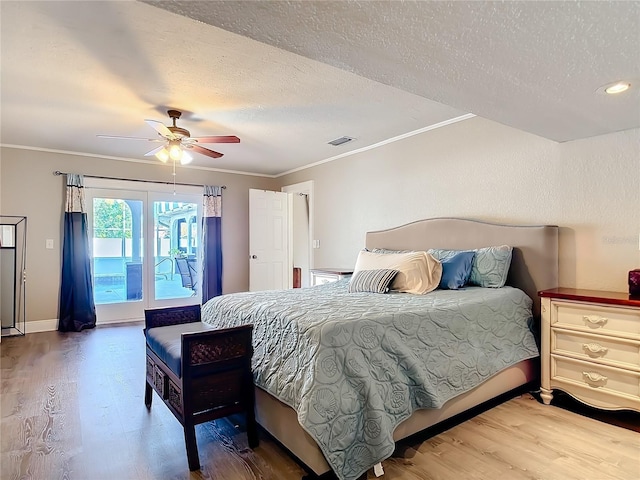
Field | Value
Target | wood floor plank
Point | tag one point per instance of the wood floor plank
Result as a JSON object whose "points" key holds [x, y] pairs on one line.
{"points": [[72, 408]]}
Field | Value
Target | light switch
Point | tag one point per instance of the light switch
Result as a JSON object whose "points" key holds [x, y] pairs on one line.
{"points": [[316, 244], [49, 243]]}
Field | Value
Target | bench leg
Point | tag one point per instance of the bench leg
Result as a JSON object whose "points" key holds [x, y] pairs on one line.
{"points": [[192, 446], [148, 395], [252, 429]]}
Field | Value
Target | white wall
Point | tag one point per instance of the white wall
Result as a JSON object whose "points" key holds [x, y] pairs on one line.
{"points": [[484, 170], [28, 187]]}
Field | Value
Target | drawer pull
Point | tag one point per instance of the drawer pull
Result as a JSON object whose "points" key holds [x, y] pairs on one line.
{"points": [[594, 349], [594, 379], [595, 320]]}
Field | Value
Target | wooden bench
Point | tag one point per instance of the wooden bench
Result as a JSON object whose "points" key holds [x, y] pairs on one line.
{"points": [[201, 373]]}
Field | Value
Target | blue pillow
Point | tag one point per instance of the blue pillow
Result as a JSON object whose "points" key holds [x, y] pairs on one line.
{"points": [[490, 265], [456, 270]]}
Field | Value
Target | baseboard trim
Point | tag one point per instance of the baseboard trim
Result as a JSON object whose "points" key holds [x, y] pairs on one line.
{"points": [[37, 326], [117, 321]]}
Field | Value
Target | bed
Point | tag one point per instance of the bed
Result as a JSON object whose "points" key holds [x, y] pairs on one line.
{"points": [[340, 376]]}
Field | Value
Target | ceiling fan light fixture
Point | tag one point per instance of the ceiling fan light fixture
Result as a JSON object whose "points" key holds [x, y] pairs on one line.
{"points": [[186, 158], [175, 152], [163, 155], [177, 140]]}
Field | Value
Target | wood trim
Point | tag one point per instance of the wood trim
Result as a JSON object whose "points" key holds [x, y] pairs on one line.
{"points": [[592, 296]]}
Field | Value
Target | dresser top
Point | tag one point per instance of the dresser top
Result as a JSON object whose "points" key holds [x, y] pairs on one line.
{"points": [[595, 296], [335, 271]]}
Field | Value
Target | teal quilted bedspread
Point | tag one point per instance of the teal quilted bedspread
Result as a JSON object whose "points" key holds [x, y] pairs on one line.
{"points": [[355, 365]]}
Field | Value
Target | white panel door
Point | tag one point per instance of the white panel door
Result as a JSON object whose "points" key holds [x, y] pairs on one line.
{"points": [[270, 263]]}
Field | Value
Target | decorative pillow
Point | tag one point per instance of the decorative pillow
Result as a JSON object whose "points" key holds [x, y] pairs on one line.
{"points": [[456, 270], [490, 265], [372, 281], [418, 272]]}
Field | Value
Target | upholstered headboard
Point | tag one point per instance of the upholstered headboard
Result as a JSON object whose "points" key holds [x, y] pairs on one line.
{"points": [[534, 265]]}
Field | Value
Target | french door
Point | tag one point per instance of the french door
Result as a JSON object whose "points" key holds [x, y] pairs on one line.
{"points": [[145, 250]]}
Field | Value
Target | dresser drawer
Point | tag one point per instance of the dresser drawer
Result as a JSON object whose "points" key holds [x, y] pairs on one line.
{"points": [[320, 276], [597, 318], [598, 377], [322, 279], [612, 351]]}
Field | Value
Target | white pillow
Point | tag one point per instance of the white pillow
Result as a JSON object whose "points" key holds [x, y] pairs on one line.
{"points": [[418, 272]]}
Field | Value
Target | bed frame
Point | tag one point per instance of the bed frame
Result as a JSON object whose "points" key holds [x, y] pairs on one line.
{"points": [[534, 267]]}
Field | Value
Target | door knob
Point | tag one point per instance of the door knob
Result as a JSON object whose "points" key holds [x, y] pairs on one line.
{"points": [[254, 257]]}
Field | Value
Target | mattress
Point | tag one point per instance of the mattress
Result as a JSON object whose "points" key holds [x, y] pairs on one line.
{"points": [[355, 365]]}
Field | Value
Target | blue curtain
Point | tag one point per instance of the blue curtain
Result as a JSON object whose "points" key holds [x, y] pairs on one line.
{"points": [[77, 309], [212, 243]]}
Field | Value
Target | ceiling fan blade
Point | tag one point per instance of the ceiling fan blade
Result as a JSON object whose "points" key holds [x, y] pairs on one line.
{"points": [[161, 128], [131, 138], [204, 151], [217, 139], [154, 151]]}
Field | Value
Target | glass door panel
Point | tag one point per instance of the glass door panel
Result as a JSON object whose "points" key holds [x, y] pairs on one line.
{"points": [[117, 245], [176, 277]]}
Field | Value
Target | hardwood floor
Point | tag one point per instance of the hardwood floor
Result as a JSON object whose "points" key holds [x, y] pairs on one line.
{"points": [[72, 408]]}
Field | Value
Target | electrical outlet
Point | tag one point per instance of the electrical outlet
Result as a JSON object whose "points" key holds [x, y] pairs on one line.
{"points": [[49, 243], [316, 244]]}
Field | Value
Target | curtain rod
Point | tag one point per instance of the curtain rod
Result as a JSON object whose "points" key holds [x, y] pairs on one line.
{"points": [[58, 173]]}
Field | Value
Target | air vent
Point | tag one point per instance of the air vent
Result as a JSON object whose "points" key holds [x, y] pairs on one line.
{"points": [[340, 141]]}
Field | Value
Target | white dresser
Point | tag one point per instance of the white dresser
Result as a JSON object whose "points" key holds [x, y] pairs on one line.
{"points": [[326, 275], [591, 347]]}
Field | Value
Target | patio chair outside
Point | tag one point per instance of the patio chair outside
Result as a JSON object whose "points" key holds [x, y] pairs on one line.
{"points": [[187, 272]]}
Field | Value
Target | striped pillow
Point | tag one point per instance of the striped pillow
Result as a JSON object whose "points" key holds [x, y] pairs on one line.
{"points": [[372, 281]]}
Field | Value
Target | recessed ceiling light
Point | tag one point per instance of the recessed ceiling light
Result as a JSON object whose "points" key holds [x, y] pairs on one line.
{"points": [[615, 87]]}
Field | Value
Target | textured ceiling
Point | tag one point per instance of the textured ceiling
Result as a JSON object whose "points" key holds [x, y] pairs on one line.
{"points": [[532, 65], [287, 77]]}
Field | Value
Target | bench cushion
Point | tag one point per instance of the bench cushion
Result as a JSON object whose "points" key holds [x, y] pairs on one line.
{"points": [[166, 342]]}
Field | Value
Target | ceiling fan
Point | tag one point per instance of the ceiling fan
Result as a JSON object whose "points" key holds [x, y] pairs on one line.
{"points": [[178, 141]]}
